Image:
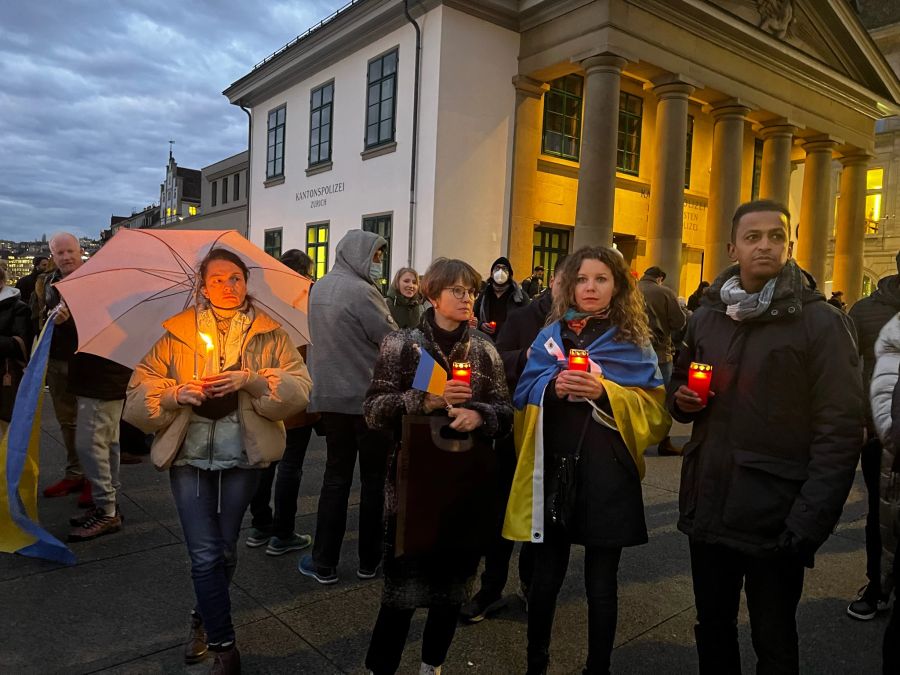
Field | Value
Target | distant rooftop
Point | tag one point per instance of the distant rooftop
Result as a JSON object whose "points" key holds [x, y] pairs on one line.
{"points": [[328, 19]]}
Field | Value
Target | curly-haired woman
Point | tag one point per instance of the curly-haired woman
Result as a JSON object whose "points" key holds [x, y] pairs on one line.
{"points": [[581, 437]]}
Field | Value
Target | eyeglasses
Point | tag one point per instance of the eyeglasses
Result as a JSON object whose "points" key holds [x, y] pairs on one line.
{"points": [[460, 293]]}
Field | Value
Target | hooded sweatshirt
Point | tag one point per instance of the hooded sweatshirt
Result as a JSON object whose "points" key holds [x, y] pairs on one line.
{"points": [[348, 319], [489, 307]]}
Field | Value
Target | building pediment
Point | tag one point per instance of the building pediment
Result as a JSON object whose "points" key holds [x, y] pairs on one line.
{"points": [[828, 31]]}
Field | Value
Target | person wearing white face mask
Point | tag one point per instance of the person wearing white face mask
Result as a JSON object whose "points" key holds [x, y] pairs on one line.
{"points": [[348, 319], [500, 296]]}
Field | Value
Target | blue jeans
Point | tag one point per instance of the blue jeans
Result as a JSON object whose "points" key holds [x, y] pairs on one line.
{"points": [[211, 506]]}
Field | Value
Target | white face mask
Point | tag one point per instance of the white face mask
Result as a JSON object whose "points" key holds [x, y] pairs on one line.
{"points": [[500, 276]]}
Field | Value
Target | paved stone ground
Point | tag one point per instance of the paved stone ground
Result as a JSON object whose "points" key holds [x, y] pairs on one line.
{"points": [[123, 608]]}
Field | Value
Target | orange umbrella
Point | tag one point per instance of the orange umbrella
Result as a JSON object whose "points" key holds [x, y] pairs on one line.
{"points": [[120, 297]]}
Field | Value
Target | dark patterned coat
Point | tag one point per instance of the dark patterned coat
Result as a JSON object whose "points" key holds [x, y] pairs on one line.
{"points": [[425, 581]]}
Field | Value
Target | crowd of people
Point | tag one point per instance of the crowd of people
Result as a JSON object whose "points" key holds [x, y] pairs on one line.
{"points": [[539, 440]]}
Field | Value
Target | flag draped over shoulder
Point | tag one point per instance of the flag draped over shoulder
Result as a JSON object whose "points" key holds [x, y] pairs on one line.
{"points": [[634, 388], [19, 453]]}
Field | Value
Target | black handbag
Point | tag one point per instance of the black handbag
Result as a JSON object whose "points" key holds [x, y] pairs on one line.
{"points": [[564, 497], [446, 489]]}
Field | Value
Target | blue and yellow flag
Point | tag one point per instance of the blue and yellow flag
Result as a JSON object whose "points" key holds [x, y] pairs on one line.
{"points": [[634, 388], [19, 453], [430, 375]]}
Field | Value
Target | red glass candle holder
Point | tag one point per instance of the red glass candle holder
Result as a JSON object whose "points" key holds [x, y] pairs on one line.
{"points": [[462, 372], [579, 360], [699, 378]]}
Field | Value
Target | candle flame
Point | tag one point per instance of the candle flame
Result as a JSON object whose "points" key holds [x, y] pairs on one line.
{"points": [[207, 340]]}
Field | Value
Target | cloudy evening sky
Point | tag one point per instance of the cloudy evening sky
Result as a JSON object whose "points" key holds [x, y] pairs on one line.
{"points": [[93, 90]]}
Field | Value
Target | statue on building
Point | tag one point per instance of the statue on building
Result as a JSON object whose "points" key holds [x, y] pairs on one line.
{"points": [[775, 16]]}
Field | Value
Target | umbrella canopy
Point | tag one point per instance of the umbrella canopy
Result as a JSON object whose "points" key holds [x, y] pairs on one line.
{"points": [[120, 297]]}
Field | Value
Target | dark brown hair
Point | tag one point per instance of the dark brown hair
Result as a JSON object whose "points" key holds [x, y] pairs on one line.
{"points": [[222, 254], [445, 272], [626, 309]]}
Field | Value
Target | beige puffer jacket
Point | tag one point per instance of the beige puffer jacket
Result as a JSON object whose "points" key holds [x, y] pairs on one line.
{"points": [[278, 388]]}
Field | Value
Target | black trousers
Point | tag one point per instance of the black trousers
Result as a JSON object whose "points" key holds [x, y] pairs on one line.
{"points": [[287, 487], [498, 555], [891, 646], [773, 587], [391, 629], [871, 470], [601, 566], [346, 437]]}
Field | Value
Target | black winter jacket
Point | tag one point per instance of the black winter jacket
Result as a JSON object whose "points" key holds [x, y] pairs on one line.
{"points": [[521, 328], [608, 506], [869, 316], [772, 457], [15, 320]]}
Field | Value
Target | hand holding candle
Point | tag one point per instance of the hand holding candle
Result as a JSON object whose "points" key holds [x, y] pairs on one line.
{"points": [[579, 360], [462, 372], [699, 378]]}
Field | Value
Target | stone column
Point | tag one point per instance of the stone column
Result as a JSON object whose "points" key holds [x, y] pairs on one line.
{"points": [[775, 178], [665, 224], [526, 149], [595, 205], [816, 207], [724, 183], [850, 243]]}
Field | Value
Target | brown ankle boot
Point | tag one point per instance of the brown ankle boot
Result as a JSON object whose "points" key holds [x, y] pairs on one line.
{"points": [[227, 662], [195, 647]]}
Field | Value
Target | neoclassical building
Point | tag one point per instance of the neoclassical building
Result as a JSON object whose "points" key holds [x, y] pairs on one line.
{"points": [[531, 127]]}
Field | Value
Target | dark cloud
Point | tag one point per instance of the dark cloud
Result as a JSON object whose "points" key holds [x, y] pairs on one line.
{"points": [[93, 91]]}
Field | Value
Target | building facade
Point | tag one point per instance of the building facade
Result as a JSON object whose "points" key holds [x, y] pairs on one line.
{"points": [[223, 197], [179, 194], [542, 126]]}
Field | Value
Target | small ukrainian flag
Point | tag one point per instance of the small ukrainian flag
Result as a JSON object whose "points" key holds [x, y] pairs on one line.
{"points": [[430, 375]]}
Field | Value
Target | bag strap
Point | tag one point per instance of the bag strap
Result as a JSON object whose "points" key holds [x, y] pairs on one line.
{"points": [[22, 347]]}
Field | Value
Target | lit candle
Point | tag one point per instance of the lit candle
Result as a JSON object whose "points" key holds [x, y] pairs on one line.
{"points": [[462, 372], [211, 367], [699, 378], [492, 324], [579, 360]]}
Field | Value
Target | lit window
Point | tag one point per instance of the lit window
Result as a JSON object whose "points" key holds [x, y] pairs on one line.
{"points": [[317, 248], [382, 226], [874, 185]]}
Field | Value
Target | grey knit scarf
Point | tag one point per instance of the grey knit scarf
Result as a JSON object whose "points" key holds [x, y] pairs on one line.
{"points": [[741, 305]]}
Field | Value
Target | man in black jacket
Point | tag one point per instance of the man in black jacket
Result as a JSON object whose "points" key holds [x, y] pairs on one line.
{"points": [[513, 342], [500, 296], [26, 283], [773, 454], [869, 316]]}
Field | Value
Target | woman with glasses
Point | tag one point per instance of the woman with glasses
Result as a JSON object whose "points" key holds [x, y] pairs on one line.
{"points": [[441, 581]]}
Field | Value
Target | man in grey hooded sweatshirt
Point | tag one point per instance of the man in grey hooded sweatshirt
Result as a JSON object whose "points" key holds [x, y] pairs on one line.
{"points": [[348, 318]]}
